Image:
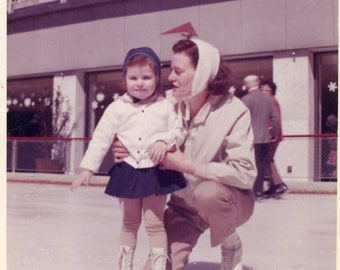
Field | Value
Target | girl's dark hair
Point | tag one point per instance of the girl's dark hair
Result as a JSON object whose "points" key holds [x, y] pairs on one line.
{"points": [[223, 80], [271, 84], [142, 60]]}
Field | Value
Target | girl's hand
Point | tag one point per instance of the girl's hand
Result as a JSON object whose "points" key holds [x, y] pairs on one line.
{"points": [[83, 178], [158, 151], [177, 161]]}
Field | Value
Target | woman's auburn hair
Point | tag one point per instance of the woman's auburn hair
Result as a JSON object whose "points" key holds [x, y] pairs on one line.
{"points": [[223, 80]]}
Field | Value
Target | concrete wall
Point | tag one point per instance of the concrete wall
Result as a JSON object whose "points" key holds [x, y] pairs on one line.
{"points": [[235, 27]]}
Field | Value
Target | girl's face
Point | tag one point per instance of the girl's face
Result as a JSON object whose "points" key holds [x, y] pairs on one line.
{"points": [[182, 75], [140, 81]]}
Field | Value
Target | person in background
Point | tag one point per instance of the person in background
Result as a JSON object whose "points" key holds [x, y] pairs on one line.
{"points": [[276, 186], [262, 113], [148, 125], [329, 149], [217, 158]]}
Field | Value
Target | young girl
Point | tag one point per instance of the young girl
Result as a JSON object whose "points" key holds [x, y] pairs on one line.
{"points": [[147, 124]]}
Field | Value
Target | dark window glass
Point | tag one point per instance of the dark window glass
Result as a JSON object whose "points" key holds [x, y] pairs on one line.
{"points": [[327, 88], [262, 67], [29, 107]]}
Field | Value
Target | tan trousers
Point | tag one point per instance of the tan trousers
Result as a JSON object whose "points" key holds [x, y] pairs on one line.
{"points": [[152, 209], [216, 206]]}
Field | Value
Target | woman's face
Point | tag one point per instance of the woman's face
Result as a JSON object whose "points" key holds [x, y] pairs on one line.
{"points": [[182, 75], [140, 81]]}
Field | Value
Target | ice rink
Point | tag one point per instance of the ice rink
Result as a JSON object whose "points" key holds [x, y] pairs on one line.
{"points": [[51, 228]]}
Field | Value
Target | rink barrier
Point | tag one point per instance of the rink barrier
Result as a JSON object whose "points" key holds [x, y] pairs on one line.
{"points": [[311, 157]]}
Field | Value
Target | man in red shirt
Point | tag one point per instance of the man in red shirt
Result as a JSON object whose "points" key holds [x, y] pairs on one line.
{"points": [[277, 186]]}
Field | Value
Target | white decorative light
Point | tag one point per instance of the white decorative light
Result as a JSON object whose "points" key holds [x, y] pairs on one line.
{"points": [[94, 105], [332, 87], [232, 89], [115, 96], [15, 101], [47, 101], [100, 97], [9, 102], [27, 102]]}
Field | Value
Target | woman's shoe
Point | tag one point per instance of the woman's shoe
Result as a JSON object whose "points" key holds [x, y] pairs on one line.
{"points": [[279, 190], [275, 191], [231, 251]]}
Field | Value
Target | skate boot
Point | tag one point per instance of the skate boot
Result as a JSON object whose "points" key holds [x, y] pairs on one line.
{"points": [[158, 258], [125, 258], [231, 251]]}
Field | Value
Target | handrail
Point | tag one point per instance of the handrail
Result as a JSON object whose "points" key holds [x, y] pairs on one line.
{"points": [[9, 138], [326, 135]]}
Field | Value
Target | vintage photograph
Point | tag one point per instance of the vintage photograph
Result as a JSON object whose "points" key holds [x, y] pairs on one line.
{"points": [[169, 135]]}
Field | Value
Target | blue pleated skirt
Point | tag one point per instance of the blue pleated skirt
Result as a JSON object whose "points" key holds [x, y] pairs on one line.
{"points": [[128, 182]]}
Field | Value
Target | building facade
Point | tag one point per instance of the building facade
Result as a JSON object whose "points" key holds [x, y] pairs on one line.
{"points": [[78, 46]]}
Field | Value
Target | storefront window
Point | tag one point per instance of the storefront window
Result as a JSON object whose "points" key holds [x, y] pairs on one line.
{"points": [[327, 90], [29, 114], [327, 113]]}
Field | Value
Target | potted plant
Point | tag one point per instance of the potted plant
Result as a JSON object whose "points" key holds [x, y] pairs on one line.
{"points": [[53, 151]]}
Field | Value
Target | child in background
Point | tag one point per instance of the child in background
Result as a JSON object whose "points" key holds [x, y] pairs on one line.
{"points": [[147, 124]]}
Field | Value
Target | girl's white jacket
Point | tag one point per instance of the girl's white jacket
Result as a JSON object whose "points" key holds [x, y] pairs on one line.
{"points": [[138, 127]]}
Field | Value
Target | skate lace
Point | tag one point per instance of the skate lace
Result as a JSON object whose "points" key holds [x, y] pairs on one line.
{"points": [[125, 259], [159, 261]]}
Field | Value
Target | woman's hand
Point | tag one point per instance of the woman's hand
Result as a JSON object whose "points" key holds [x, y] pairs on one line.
{"points": [[119, 151], [158, 151], [83, 178], [177, 161]]}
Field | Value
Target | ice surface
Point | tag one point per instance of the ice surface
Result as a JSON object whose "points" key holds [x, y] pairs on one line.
{"points": [[51, 228]]}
